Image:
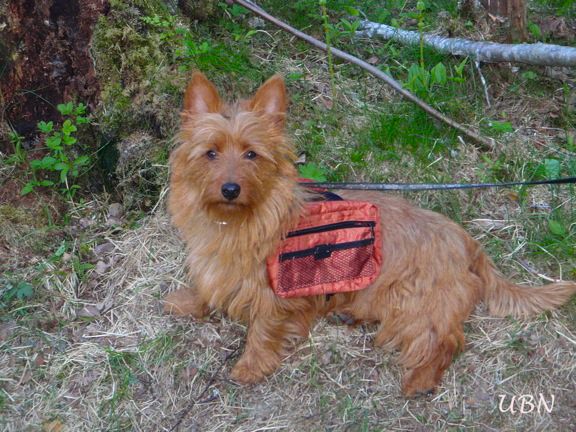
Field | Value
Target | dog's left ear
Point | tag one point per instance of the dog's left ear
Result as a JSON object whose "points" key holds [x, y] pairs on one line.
{"points": [[271, 98]]}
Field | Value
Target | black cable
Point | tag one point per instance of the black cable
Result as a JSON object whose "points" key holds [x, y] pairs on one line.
{"points": [[430, 186]]}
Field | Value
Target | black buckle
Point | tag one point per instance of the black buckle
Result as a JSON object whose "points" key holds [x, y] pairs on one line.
{"points": [[322, 251]]}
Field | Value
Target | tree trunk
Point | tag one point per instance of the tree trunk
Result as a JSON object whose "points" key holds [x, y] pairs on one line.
{"points": [[47, 59], [515, 10]]}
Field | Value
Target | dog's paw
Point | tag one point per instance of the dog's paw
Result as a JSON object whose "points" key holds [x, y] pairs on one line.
{"points": [[184, 302], [244, 374], [420, 383]]}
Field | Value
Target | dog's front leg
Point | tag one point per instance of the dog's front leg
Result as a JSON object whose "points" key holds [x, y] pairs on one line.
{"points": [[186, 301], [263, 352]]}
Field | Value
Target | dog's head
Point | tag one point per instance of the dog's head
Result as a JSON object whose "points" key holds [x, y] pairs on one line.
{"points": [[231, 155]]}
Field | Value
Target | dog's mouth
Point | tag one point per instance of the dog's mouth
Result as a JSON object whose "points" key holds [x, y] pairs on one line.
{"points": [[222, 208], [229, 204]]}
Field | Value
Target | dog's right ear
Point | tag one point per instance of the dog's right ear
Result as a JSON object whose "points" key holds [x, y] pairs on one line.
{"points": [[201, 96]]}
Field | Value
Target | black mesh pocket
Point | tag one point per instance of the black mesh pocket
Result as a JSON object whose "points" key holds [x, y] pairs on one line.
{"points": [[327, 263]]}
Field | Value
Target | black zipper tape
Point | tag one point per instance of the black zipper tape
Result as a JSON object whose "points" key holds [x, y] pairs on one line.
{"points": [[331, 227], [325, 250]]}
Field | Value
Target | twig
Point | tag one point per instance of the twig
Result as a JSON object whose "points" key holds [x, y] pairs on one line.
{"points": [[184, 413], [483, 142]]}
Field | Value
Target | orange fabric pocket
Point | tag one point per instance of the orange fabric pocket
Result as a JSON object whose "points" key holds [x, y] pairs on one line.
{"points": [[336, 247]]}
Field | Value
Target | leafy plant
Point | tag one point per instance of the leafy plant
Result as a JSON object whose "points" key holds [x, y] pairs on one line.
{"points": [[421, 80], [313, 172], [62, 158], [157, 21], [497, 127], [534, 30], [19, 155], [12, 291]]}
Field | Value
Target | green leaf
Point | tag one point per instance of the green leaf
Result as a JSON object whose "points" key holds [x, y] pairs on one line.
{"points": [[313, 172], [46, 183], [60, 251], [68, 127], [81, 161], [237, 10], [24, 291], [60, 166], [80, 109], [47, 163], [529, 75], [64, 174], [68, 140], [28, 187], [81, 120], [500, 126], [460, 68], [294, 76], [53, 142], [65, 109], [552, 168], [35, 164], [534, 30], [438, 74], [352, 11], [557, 228], [45, 127]]}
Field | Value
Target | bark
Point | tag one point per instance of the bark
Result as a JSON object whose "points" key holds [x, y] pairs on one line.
{"points": [[515, 10], [490, 52]]}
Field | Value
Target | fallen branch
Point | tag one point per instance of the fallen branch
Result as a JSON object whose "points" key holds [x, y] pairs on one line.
{"points": [[490, 52], [483, 142]]}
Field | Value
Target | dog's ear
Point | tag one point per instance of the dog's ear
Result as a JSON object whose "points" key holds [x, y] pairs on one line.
{"points": [[271, 98], [201, 96]]}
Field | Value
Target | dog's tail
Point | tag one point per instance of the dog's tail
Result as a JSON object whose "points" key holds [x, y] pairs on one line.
{"points": [[505, 298]]}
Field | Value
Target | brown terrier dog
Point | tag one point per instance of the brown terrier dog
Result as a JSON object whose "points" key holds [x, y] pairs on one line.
{"points": [[234, 194]]}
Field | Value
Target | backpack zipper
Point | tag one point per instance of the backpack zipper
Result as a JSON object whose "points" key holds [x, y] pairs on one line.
{"points": [[332, 227], [325, 250]]}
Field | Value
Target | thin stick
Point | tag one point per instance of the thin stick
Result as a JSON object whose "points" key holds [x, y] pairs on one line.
{"points": [[483, 142], [184, 413], [484, 84]]}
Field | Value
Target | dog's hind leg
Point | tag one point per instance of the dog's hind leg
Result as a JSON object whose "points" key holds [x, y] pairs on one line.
{"points": [[426, 358], [422, 316], [426, 352]]}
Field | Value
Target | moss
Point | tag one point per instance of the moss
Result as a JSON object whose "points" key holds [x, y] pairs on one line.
{"points": [[198, 10], [135, 64], [17, 215]]}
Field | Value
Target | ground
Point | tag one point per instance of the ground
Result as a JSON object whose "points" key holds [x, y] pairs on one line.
{"points": [[84, 344]]}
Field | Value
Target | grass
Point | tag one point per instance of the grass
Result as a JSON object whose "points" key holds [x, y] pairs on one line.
{"points": [[91, 350]]}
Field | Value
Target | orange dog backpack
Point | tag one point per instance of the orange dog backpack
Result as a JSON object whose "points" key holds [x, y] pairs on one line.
{"points": [[335, 248]]}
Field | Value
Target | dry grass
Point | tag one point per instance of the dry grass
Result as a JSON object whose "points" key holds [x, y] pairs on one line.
{"points": [[126, 366]]}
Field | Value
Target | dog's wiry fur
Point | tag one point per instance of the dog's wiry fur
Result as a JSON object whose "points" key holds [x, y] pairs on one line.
{"points": [[433, 275]]}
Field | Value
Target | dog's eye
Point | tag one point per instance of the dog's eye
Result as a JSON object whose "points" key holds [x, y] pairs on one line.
{"points": [[211, 154], [250, 155]]}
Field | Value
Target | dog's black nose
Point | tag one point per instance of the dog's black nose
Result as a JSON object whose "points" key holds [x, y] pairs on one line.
{"points": [[230, 191]]}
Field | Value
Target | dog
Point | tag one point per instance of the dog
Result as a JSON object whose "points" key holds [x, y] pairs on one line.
{"points": [[234, 194]]}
